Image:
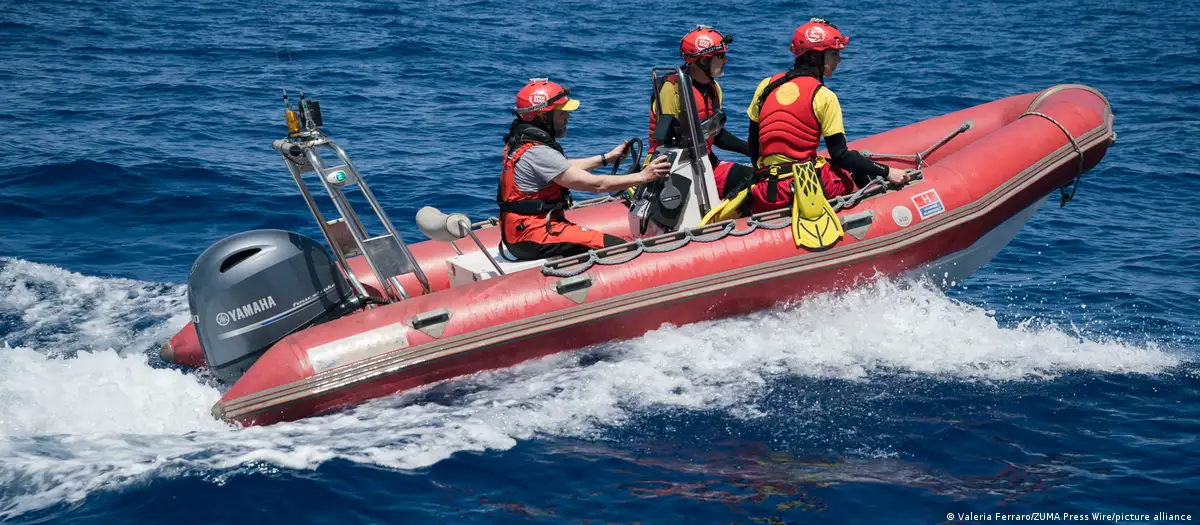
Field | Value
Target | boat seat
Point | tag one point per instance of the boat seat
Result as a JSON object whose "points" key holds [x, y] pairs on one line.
{"points": [[474, 266]]}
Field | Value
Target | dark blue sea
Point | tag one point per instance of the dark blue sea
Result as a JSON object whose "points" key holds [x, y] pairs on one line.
{"points": [[1062, 378]]}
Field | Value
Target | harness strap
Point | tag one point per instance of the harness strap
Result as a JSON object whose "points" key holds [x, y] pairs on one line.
{"points": [[779, 172], [535, 207]]}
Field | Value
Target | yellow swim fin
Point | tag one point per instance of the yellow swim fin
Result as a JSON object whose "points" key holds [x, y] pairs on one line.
{"points": [[814, 223], [726, 209]]}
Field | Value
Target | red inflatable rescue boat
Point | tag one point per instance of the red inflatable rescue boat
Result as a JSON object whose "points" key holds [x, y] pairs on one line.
{"points": [[381, 316]]}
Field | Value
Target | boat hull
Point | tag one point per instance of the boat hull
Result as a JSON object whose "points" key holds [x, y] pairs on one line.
{"points": [[977, 192]]}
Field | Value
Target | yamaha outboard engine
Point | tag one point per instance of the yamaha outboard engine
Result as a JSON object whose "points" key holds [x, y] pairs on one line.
{"points": [[250, 290]]}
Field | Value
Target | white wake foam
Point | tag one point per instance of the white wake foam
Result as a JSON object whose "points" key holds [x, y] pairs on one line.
{"points": [[106, 417], [65, 312]]}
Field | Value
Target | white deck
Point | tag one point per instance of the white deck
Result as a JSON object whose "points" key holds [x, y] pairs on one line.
{"points": [[474, 267]]}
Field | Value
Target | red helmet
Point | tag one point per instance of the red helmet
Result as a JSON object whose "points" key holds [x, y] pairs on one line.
{"points": [[702, 42], [817, 35], [542, 96]]}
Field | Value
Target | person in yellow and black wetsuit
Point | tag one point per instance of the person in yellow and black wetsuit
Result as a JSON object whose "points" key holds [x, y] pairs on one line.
{"points": [[792, 111], [537, 177], [704, 51], [789, 115]]}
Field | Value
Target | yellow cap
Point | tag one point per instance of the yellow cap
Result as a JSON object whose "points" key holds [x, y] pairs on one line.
{"points": [[570, 105]]}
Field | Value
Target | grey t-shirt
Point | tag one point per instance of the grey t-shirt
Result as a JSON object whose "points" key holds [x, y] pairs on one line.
{"points": [[538, 167]]}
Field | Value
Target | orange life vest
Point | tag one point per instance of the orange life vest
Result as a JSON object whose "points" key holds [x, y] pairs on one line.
{"points": [[520, 210]]}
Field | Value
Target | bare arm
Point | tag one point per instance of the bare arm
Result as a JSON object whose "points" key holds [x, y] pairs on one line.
{"points": [[580, 180], [598, 161], [587, 164]]}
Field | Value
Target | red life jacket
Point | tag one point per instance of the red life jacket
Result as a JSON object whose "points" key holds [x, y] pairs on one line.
{"points": [[708, 106], [520, 210], [791, 130]]}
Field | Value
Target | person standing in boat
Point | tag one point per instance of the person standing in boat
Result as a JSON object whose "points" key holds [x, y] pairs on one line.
{"points": [[704, 51], [789, 115], [537, 177]]}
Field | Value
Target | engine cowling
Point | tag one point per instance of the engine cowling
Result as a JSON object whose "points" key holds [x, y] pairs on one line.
{"points": [[249, 290]]}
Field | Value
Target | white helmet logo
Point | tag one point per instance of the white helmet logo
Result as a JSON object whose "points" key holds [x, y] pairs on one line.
{"points": [[704, 42], [222, 318], [814, 34], [538, 97]]}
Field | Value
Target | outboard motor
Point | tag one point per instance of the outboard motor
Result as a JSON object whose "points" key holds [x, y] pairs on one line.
{"points": [[249, 290]]}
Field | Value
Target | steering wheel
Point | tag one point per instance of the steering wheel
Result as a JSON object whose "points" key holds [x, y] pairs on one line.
{"points": [[634, 147]]}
